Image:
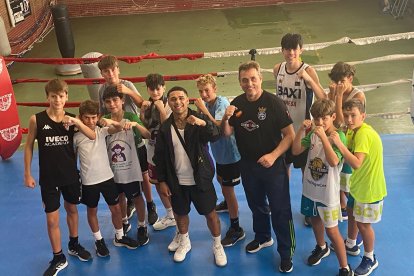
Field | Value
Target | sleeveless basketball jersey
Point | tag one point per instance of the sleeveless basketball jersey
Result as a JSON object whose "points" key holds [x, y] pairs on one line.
{"points": [[57, 160], [294, 92]]}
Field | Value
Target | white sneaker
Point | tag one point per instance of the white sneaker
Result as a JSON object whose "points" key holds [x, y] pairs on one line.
{"points": [[175, 243], [164, 223], [219, 255], [182, 250]]}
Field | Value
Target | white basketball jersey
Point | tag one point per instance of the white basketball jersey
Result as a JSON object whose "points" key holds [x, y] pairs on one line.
{"points": [[293, 91]]}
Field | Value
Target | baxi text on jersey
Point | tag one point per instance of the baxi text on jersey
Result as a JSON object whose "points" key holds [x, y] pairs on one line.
{"points": [[295, 93], [57, 140]]}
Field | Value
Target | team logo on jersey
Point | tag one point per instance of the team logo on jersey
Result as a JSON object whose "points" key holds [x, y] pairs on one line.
{"points": [[317, 168], [8, 134], [45, 127], [261, 114], [5, 101], [250, 125]]}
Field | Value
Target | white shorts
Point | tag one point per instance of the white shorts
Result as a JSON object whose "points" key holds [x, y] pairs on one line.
{"points": [[330, 215], [344, 182], [368, 212]]}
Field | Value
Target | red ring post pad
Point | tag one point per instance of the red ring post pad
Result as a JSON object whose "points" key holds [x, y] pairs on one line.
{"points": [[10, 132]]}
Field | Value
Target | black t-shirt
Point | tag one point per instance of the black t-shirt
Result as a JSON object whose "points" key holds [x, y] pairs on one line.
{"points": [[258, 129], [57, 160]]}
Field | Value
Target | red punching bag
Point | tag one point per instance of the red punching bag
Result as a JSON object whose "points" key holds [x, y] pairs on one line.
{"points": [[10, 131]]}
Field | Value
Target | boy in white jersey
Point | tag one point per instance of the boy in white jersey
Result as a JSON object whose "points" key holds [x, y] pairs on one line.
{"points": [[123, 157], [368, 187], [54, 129], [296, 84], [97, 176], [110, 71], [154, 112], [320, 195], [340, 91]]}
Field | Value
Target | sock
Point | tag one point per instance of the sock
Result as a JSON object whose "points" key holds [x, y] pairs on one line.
{"points": [[73, 241], [125, 220], [141, 223], [347, 267], [369, 255], [217, 240], [58, 255], [119, 233], [185, 236], [97, 235], [234, 223], [149, 204], [350, 242], [323, 247], [170, 213]]}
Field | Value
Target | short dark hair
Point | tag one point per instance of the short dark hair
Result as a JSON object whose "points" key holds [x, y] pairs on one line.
{"points": [[249, 65], [177, 88], [89, 107], [291, 41], [111, 92], [354, 102], [154, 80], [341, 70]]}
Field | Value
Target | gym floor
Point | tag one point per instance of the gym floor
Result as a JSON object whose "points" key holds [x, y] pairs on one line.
{"points": [[26, 249]]}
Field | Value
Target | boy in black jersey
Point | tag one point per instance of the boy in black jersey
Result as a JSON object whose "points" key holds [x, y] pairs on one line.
{"points": [[54, 129]]}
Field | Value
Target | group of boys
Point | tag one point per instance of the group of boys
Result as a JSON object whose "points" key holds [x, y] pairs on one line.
{"points": [[115, 162]]}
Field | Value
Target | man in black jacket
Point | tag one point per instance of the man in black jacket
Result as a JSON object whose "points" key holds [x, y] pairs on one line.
{"points": [[185, 171]]}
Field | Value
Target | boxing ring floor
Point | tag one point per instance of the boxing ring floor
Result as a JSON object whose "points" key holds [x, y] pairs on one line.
{"points": [[25, 248]]}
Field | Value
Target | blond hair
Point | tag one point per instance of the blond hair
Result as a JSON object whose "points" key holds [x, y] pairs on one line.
{"points": [[206, 79]]}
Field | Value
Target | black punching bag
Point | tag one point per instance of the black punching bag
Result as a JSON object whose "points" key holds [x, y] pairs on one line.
{"points": [[65, 40]]}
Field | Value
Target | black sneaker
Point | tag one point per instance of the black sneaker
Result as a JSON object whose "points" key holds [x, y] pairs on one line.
{"points": [[255, 245], [101, 249], [130, 208], [126, 242], [286, 266], [222, 207], [346, 272], [79, 251], [233, 236], [152, 213], [56, 265], [142, 235], [126, 227], [317, 254]]}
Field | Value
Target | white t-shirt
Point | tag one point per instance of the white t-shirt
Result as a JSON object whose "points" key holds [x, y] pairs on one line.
{"points": [[182, 163], [94, 163], [320, 180]]}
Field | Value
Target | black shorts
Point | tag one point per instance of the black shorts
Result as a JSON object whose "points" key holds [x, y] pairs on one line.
{"points": [[204, 201], [131, 190], [51, 196], [142, 156], [91, 193], [299, 161], [229, 173]]}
